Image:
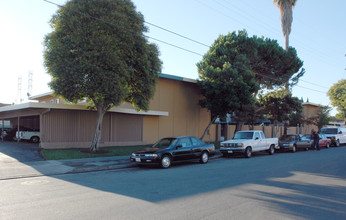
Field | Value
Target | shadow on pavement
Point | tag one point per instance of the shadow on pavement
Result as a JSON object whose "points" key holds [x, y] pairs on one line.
{"points": [[315, 181], [305, 184], [22, 151]]}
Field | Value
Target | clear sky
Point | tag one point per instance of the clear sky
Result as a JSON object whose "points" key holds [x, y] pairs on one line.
{"points": [[318, 34]]}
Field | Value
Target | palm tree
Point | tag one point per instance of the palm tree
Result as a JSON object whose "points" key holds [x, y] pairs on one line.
{"points": [[285, 7]]}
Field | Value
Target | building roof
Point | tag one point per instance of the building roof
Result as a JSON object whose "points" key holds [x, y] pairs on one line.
{"points": [[161, 75], [313, 104], [34, 105]]}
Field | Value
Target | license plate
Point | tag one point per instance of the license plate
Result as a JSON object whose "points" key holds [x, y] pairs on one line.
{"points": [[138, 159], [230, 151]]}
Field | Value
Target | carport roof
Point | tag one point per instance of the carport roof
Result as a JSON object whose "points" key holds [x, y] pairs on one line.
{"points": [[34, 108]]}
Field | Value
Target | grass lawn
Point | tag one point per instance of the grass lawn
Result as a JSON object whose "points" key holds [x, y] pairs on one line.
{"points": [[76, 153]]}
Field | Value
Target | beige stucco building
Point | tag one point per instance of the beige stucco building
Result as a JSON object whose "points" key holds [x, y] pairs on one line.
{"points": [[173, 111]]}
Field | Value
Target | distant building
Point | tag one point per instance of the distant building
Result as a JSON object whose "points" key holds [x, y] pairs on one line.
{"points": [[310, 110], [173, 111]]}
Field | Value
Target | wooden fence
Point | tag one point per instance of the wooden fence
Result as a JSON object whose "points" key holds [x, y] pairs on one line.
{"points": [[269, 131]]}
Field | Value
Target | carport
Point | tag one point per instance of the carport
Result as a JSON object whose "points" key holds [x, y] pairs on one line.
{"points": [[73, 125], [23, 116]]}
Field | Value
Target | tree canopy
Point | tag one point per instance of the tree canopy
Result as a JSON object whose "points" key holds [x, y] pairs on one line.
{"points": [[337, 95], [278, 105], [271, 65], [97, 51], [237, 66]]}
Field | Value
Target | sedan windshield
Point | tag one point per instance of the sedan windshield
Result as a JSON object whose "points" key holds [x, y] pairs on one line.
{"points": [[165, 143], [243, 135]]}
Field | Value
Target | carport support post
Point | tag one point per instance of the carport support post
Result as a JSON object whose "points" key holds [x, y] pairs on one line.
{"points": [[2, 132], [18, 129]]}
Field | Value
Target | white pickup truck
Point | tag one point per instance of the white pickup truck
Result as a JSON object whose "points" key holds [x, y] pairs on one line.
{"points": [[32, 136], [246, 142]]}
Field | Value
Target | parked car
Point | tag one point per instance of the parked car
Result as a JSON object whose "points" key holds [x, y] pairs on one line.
{"points": [[169, 150], [11, 133], [304, 142], [32, 136], [289, 142], [246, 142], [323, 141], [337, 135], [4, 133]]}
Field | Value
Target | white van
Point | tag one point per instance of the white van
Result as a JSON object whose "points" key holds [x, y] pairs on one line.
{"points": [[336, 134]]}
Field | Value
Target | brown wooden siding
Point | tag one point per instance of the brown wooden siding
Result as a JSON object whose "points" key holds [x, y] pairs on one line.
{"points": [[66, 126]]}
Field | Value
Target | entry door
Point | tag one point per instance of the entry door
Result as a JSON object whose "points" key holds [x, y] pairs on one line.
{"points": [[258, 144], [184, 150]]}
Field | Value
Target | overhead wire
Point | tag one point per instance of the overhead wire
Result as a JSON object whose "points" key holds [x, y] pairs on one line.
{"points": [[314, 52], [164, 42]]}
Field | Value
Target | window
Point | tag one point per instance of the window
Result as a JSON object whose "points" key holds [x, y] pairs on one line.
{"points": [[52, 101], [196, 141], [57, 101], [185, 142], [257, 135]]}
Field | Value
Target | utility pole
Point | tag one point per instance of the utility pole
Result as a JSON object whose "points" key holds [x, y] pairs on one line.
{"points": [[19, 95], [29, 93]]}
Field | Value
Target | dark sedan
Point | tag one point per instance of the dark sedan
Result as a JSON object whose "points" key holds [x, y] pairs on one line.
{"points": [[289, 142], [169, 150]]}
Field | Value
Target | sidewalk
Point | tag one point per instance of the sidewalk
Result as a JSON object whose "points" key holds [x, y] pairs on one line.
{"points": [[12, 169]]}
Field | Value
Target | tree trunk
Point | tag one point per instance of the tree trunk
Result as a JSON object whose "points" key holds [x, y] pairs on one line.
{"points": [[286, 41], [206, 130], [239, 126], [275, 129], [95, 145]]}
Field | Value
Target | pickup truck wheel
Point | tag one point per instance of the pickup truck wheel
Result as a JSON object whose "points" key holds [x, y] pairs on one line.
{"points": [[271, 150], [248, 152], [204, 157], [35, 139], [294, 149], [166, 161]]}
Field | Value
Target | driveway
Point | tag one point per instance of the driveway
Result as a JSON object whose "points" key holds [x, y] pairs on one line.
{"points": [[22, 151]]}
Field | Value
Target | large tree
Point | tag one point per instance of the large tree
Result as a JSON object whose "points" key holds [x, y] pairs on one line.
{"points": [[97, 51], [337, 95], [286, 14], [226, 81], [232, 63]]}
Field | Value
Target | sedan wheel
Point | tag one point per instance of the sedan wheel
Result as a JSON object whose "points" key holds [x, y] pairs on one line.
{"points": [[204, 157], [166, 161], [327, 145], [294, 149]]}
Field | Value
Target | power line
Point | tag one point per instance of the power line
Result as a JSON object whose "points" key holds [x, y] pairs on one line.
{"points": [[172, 32], [161, 41], [316, 53]]}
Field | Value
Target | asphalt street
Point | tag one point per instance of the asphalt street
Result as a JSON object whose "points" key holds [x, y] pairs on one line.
{"points": [[302, 185]]}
